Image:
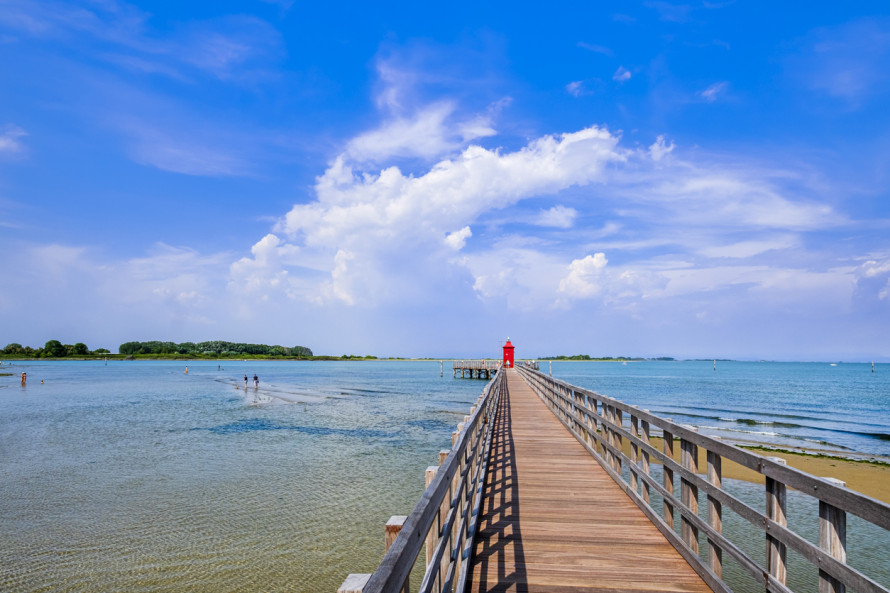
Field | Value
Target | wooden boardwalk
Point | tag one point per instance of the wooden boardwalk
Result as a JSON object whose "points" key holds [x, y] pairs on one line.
{"points": [[553, 520]]}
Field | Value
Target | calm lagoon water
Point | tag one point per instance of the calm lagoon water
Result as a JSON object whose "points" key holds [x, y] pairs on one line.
{"points": [[137, 477]]}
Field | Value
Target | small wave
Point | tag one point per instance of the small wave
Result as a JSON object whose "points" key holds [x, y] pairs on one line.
{"points": [[778, 424]]}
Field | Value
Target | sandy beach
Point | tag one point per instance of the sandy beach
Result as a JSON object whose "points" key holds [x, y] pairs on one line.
{"points": [[871, 478]]}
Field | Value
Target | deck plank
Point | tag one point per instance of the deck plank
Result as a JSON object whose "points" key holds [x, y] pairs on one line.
{"points": [[553, 520]]}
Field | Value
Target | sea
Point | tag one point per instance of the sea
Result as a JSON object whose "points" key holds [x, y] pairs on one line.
{"points": [[137, 476]]}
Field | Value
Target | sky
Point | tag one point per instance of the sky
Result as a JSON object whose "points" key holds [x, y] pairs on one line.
{"points": [[695, 180]]}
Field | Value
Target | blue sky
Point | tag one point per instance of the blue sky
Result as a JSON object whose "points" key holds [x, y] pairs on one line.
{"points": [[613, 178]]}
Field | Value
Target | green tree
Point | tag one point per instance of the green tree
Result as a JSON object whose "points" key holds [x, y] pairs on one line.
{"points": [[129, 347], [80, 349], [101, 351], [13, 348], [301, 351], [55, 349]]}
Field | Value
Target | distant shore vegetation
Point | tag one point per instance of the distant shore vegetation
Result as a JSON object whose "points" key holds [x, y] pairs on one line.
{"points": [[156, 349], [212, 349], [601, 358]]}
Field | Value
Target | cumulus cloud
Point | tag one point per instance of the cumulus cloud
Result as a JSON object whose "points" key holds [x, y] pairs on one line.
{"points": [[583, 278], [376, 210], [458, 239]]}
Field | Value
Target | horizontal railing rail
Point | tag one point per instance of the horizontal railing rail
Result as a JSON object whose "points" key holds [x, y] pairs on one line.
{"points": [[487, 365], [598, 422], [444, 521]]}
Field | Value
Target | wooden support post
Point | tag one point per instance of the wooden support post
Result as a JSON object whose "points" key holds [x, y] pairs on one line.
{"points": [[668, 476], [354, 583], [432, 538], [645, 437], [634, 453], [619, 440], [775, 510], [393, 528], [715, 512], [391, 532], [832, 539], [689, 493]]}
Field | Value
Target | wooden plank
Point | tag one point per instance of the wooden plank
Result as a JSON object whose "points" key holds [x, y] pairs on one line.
{"points": [[554, 520]]}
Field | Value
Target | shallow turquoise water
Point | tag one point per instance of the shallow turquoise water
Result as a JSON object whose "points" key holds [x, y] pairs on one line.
{"points": [[137, 477]]}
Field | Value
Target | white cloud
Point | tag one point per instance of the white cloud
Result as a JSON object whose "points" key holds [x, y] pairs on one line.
{"points": [[659, 149], [429, 133], [10, 139], [745, 249], [235, 48], [600, 49], [352, 207], [622, 74], [575, 88], [583, 279], [711, 93], [559, 216], [458, 239]]}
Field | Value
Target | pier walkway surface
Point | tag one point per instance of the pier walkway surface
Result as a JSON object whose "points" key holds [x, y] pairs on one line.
{"points": [[553, 520]]}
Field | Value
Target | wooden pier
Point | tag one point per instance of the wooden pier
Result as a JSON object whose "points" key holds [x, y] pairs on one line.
{"points": [[553, 519], [475, 369], [538, 494]]}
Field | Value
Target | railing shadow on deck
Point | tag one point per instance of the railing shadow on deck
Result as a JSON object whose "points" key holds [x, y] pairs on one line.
{"points": [[499, 534], [601, 424]]}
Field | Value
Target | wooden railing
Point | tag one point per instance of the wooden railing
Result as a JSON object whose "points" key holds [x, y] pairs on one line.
{"points": [[601, 424], [444, 521], [484, 365]]}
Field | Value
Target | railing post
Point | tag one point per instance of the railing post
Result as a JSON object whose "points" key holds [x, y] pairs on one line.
{"points": [[832, 539], [645, 437], [432, 538], [775, 510], [715, 512], [668, 478], [391, 532], [634, 453], [689, 493], [618, 419], [354, 583]]}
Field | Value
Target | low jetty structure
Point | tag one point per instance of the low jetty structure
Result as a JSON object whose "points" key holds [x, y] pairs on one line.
{"points": [[551, 487], [475, 369]]}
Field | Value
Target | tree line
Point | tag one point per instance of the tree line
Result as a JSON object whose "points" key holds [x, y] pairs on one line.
{"points": [[53, 349], [157, 349], [213, 348]]}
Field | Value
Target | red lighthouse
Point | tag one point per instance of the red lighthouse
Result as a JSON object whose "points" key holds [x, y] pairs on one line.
{"points": [[508, 354]]}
